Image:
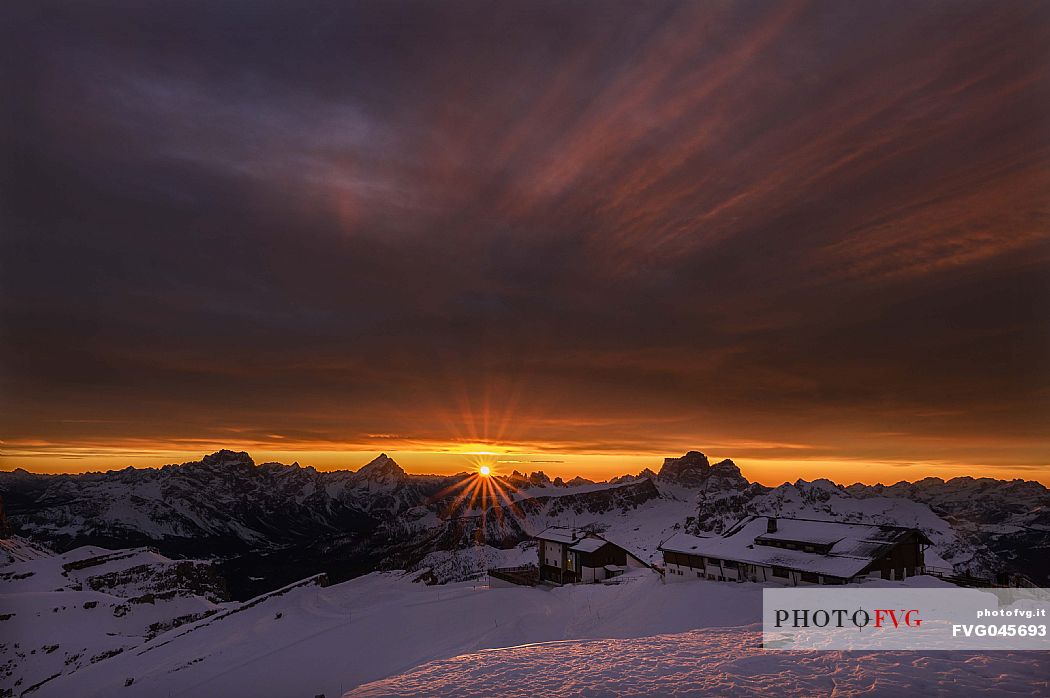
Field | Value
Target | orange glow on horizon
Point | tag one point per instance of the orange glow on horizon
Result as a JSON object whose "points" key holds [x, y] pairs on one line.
{"points": [[449, 459]]}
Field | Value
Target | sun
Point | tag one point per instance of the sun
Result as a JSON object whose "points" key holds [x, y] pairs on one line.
{"points": [[484, 470]]}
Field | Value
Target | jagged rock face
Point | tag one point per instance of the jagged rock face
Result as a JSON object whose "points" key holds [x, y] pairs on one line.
{"points": [[535, 479], [150, 574], [690, 469], [694, 470], [226, 459], [539, 479]]}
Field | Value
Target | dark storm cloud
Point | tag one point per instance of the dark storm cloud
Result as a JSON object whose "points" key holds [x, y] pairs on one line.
{"points": [[816, 223]]}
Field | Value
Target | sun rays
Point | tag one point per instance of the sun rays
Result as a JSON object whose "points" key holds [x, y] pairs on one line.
{"points": [[480, 494]]}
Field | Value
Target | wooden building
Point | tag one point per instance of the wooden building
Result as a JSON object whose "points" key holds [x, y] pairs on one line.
{"points": [[797, 551], [571, 556]]}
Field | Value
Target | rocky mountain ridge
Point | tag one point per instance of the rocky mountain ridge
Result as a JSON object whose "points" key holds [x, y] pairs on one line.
{"points": [[270, 524]]}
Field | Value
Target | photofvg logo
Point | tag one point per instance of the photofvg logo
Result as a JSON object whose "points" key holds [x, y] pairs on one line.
{"points": [[840, 617], [883, 617]]}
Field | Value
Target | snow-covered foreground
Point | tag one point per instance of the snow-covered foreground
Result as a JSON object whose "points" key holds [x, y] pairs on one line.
{"points": [[715, 662], [312, 640], [328, 640], [100, 630]]}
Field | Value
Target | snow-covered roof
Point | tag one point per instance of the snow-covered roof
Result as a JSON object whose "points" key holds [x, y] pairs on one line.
{"points": [[588, 545], [558, 534], [682, 543], [853, 546], [804, 532]]}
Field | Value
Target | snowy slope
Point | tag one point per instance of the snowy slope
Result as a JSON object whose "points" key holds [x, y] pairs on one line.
{"points": [[311, 640], [18, 549], [59, 613]]}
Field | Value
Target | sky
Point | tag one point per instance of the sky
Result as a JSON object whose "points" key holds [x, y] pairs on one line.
{"points": [[810, 236]]}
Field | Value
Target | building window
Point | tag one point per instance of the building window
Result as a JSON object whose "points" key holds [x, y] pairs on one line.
{"points": [[810, 577], [712, 561], [781, 572], [729, 564]]}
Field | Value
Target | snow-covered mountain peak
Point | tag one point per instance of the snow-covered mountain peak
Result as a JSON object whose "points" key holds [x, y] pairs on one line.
{"points": [[383, 470]]}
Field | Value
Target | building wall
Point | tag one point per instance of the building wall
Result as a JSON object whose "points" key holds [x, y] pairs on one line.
{"points": [[553, 560], [905, 559], [679, 572], [682, 567], [608, 554], [552, 553]]}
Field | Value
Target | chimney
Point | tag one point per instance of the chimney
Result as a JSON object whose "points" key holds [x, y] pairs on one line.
{"points": [[771, 524]]}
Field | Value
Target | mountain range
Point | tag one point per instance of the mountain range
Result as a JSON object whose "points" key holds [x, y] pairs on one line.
{"points": [[270, 524]]}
